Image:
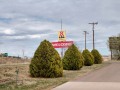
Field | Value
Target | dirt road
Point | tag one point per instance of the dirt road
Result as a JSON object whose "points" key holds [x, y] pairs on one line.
{"points": [[106, 78]]}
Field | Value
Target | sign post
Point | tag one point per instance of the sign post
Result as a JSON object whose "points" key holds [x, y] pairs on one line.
{"points": [[62, 43], [61, 38]]}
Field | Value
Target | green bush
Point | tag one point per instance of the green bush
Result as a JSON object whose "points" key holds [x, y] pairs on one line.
{"points": [[88, 58], [46, 61], [73, 59], [97, 56]]}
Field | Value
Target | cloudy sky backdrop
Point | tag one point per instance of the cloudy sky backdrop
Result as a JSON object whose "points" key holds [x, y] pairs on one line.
{"points": [[25, 23]]}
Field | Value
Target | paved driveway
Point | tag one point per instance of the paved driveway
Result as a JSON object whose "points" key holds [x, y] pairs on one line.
{"points": [[106, 78]]}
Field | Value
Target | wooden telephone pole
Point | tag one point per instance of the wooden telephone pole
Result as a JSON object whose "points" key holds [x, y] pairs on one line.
{"points": [[93, 24], [85, 37]]}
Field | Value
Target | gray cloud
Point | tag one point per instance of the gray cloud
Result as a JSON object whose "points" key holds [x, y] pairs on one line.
{"points": [[25, 23]]}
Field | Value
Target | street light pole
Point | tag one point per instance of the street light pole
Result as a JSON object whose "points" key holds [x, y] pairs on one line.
{"points": [[85, 37], [93, 24]]}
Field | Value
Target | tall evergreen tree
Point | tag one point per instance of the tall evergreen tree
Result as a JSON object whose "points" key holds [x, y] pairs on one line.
{"points": [[88, 58], [46, 61], [97, 56], [73, 59]]}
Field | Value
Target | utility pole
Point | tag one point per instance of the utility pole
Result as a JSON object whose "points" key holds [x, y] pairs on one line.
{"points": [[62, 48], [61, 24], [23, 53], [93, 24], [85, 37]]}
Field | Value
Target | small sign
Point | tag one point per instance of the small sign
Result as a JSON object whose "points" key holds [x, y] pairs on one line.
{"points": [[114, 42], [61, 44], [61, 36]]}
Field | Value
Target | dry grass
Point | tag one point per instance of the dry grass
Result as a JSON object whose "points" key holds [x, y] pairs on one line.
{"points": [[11, 60], [8, 77]]}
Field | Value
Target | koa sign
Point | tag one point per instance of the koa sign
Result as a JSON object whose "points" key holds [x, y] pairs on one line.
{"points": [[61, 36]]}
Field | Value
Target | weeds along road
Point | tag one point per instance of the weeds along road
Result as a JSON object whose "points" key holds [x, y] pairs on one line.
{"points": [[15, 64], [106, 78]]}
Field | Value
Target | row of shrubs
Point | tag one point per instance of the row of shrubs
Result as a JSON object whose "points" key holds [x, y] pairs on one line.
{"points": [[46, 61]]}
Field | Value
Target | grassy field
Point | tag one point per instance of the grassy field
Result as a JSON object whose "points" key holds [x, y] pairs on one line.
{"points": [[25, 82]]}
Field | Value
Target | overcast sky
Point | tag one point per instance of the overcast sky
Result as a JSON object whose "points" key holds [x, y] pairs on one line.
{"points": [[25, 23]]}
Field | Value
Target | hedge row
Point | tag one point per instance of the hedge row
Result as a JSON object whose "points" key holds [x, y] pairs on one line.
{"points": [[46, 61]]}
